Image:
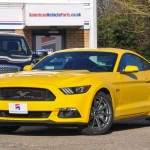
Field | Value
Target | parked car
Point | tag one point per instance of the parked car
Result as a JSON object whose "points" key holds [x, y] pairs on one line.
{"points": [[14, 53], [42, 53], [85, 88]]}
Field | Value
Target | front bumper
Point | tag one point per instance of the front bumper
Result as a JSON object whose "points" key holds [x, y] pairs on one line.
{"points": [[80, 102]]}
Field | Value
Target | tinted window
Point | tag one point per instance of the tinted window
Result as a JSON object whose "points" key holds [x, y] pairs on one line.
{"points": [[133, 60], [13, 45], [92, 61], [145, 65]]}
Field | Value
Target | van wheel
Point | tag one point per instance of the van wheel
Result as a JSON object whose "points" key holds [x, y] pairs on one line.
{"points": [[101, 116], [6, 129]]}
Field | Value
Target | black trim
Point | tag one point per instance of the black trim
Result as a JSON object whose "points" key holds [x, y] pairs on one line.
{"points": [[31, 114], [38, 123], [59, 124], [29, 94], [133, 118]]}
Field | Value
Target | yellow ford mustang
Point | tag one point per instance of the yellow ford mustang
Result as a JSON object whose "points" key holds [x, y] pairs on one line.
{"points": [[86, 88]]}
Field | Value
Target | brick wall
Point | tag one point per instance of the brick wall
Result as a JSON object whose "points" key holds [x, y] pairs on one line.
{"points": [[76, 38]]}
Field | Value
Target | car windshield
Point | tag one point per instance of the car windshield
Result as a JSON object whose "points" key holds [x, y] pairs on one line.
{"points": [[13, 46], [91, 61]]}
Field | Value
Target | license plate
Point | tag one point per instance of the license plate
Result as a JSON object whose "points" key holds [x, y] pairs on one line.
{"points": [[17, 108]]}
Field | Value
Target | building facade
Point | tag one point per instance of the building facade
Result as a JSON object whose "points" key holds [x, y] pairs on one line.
{"points": [[51, 24]]}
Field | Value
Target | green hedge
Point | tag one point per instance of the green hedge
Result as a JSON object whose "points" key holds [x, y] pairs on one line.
{"points": [[121, 32]]}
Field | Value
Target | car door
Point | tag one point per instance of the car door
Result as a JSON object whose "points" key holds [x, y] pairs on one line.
{"points": [[146, 66], [134, 87]]}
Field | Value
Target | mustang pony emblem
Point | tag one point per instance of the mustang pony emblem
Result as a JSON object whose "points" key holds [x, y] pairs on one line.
{"points": [[22, 94]]}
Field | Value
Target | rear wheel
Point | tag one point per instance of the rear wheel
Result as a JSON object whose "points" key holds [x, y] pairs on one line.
{"points": [[101, 116], [6, 129]]}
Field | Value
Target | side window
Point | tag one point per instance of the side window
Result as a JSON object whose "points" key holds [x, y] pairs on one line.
{"points": [[145, 65], [23, 46], [122, 63], [128, 60], [133, 60]]}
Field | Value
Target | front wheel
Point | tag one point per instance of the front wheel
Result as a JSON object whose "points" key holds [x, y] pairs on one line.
{"points": [[148, 119], [7, 129], [101, 116]]}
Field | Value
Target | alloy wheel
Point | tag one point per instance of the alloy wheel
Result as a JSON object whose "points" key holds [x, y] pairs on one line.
{"points": [[101, 114]]}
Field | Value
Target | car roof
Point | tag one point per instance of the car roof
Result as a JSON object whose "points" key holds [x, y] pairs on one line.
{"points": [[9, 34], [118, 51], [113, 50]]}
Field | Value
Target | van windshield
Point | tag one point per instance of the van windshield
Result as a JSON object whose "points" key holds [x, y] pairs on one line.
{"points": [[13, 46]]}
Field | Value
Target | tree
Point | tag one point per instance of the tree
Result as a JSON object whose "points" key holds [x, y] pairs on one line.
{"points": [[125, 24]]}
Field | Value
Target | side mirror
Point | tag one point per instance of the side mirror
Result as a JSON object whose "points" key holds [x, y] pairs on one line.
{"points": [[130, 69], [27, 68], [35, 56]]}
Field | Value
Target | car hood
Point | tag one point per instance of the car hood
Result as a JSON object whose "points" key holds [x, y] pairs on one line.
{"points": [[58, 78]]}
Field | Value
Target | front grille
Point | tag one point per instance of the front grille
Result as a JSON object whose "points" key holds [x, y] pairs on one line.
{"points": [[9, 69], [27, 94], [29, 115]]}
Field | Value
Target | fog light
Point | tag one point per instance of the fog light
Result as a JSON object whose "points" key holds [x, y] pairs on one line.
{"points": [[69, 113]]}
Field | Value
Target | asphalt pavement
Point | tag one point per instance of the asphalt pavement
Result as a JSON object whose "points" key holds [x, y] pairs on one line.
{"points": [[133, 135]]}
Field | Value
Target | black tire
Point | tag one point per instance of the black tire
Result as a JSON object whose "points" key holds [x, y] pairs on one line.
{"points": [[7, 129], [147, 119], [101, 116]]}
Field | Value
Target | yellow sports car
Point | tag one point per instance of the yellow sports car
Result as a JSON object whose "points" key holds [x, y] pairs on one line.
{"points": [[85, 88]]}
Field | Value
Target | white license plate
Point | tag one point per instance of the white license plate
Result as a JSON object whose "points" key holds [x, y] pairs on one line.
{"points": [[17, 108]]}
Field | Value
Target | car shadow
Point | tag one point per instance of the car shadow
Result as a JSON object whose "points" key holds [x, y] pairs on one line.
{"points": [[129, 125], [48, 131]]}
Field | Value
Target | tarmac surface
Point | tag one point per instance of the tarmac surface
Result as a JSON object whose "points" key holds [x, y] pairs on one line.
{"points": [[133, 135]]}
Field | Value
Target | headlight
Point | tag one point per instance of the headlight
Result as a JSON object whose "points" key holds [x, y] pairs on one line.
{"points": [[75, 90]]}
